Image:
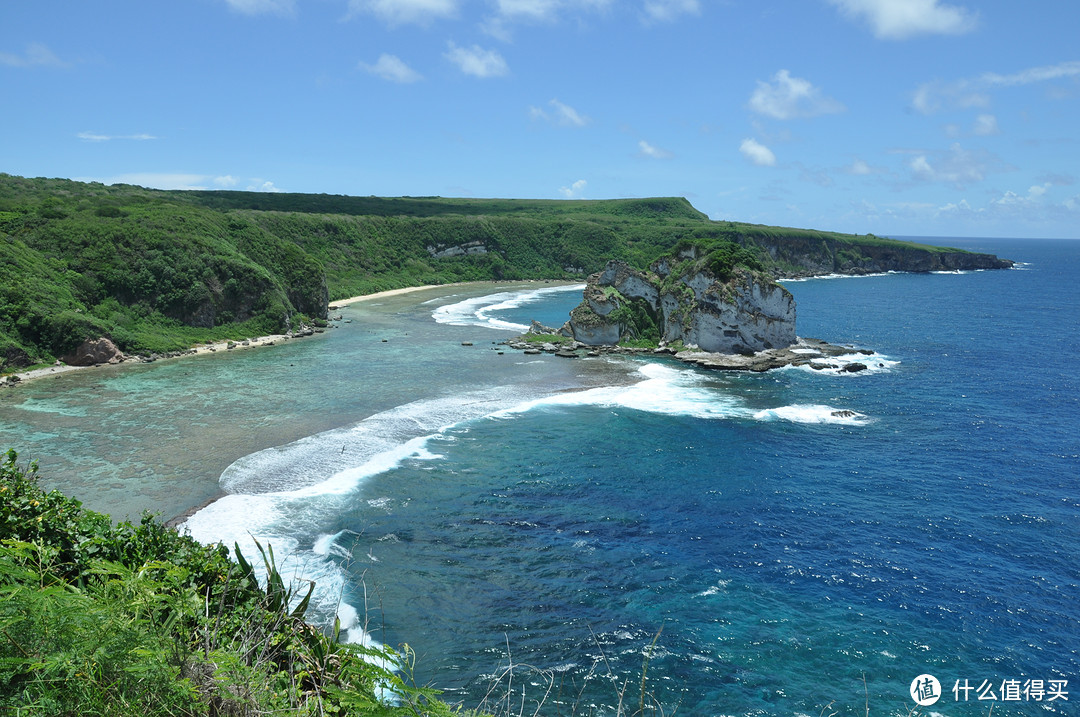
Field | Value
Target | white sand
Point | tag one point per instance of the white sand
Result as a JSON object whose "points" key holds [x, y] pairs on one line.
{"points": [[391, 292]]}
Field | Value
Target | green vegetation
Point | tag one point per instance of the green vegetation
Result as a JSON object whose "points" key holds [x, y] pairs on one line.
{"points": [[97, 619], [637, 322], [161, 270]]}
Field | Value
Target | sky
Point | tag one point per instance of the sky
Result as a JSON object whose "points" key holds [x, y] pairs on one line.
{"points": [[892, 117]]}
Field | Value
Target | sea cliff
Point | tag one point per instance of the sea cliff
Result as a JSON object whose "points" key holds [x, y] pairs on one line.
{"points": [[804, 254], [681, 299]]}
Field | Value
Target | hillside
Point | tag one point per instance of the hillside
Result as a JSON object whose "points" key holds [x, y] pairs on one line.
{"points": [[104, 619], [161, 270]]}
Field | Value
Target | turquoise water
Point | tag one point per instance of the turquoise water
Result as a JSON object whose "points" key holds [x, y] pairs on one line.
{"points": [[577, 516]]}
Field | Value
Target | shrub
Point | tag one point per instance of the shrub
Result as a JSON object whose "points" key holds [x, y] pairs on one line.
{"points": [[138, 619]]}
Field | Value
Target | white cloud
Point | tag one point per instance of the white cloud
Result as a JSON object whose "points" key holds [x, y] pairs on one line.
{"points": [[669, 10], [901, 19], [508, 12], [972, 92], [477, 61], [647, 150], [1032, 75], [920, 166], [1032, 206], [392, 69], [957, 166], [574, 190], [37, 55], [787, 97], [986, 125], [1024, 212], [527, 9], [561, 114], [859, 168], [261, 185], [404, 12], [757, 153], [258, 7], [95, 137], [226, 181]]}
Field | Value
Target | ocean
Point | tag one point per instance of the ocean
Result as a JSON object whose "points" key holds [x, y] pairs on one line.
{"points": [[592, 535]]}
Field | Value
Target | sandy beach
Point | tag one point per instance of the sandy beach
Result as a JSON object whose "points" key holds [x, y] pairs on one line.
{"points": [[341, 303]]}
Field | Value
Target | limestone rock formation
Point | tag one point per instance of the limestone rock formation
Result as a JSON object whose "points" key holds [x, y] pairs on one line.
{"points": [[687, 297]]}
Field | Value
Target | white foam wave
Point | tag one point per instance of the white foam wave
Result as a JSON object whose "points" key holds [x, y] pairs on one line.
{"points": [[837, 276], [664, 390], [286, 496], [683, 392], [326, 544], [297, 516], [834, 365], [803, 413], [479, 311], [314, 459]]}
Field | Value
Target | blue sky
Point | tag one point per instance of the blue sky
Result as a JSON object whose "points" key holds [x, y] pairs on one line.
{"points": [[897, 117]]}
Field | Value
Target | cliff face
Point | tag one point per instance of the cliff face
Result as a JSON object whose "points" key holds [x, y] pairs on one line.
{"points": [[800, 256], [682, 299]]}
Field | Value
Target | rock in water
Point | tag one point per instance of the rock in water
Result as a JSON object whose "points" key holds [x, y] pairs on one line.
{"points": [[683, 299]]}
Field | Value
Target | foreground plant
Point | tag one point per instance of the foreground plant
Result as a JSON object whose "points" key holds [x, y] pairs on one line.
{"points": [[97, 619]]}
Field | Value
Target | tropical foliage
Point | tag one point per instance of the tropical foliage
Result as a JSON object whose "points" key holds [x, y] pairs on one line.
{"points": [[97, 619]]}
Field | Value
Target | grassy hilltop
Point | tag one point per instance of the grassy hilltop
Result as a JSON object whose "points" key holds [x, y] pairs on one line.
{"points": [[161, 270]]}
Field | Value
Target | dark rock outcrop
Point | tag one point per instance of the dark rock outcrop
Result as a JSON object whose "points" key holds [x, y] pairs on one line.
{"points": [[92, 352], [12, 356]]}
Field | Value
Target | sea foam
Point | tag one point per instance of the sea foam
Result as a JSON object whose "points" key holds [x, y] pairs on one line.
{"points": [[291, 496], [479, 311]]}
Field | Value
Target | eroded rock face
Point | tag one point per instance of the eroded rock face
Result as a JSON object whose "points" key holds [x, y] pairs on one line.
{"points": [[746, 313], [92, 352]]}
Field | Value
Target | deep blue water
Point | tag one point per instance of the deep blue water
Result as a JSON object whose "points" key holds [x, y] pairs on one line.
{"points": [[766, 556]]}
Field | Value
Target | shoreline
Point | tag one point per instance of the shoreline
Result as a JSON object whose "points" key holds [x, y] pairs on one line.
{"points": [[19, 377], [15, 379], [342, 303]]}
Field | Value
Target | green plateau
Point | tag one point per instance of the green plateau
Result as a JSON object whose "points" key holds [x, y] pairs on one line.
{"points": [[159, 271]]}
